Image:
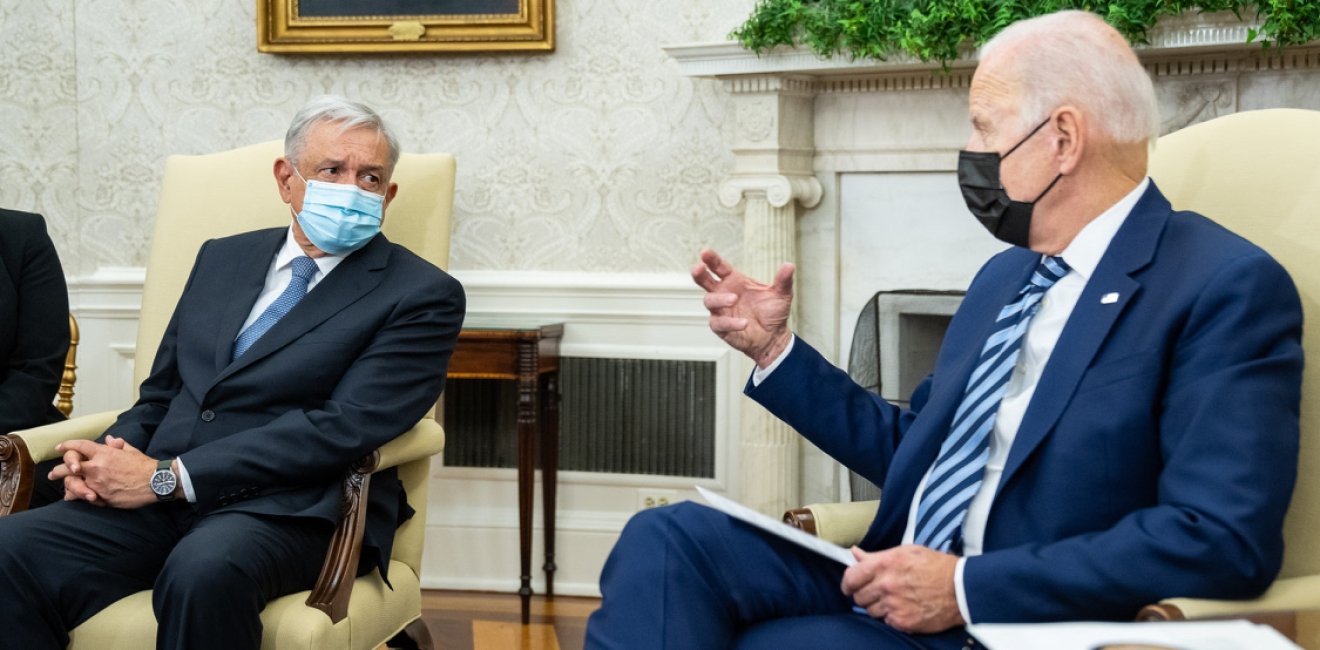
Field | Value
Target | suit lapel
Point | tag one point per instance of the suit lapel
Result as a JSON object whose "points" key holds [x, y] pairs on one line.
{"points": [[946, 397], [353, 278], [249, 280], [1004, 292], [1132, 249]]}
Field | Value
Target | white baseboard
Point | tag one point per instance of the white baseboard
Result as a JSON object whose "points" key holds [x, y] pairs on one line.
{"points": [[589, 589]]}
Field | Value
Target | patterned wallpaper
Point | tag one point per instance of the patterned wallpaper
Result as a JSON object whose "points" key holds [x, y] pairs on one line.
{"points": [[599, 157]]}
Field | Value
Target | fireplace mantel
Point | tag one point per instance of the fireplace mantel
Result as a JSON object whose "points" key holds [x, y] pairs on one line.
{"points": [[1206, 37], [846, 168]]}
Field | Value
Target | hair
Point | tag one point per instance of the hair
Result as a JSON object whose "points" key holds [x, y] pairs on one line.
{"points": [[347, 114], [1074, 57]]}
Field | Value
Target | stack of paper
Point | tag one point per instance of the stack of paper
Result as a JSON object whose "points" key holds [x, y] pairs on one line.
{"points": [[777, 528], [1188, 635]]}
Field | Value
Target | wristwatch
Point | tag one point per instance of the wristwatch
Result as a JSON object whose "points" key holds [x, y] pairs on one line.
{"points": [[164, 482]]}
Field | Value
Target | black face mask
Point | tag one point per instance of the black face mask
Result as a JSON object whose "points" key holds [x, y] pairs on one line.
{"points": [[978, 176]]}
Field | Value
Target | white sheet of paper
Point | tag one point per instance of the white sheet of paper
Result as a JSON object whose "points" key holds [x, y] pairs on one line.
{"points": [[777, 528], [1185, 635]]}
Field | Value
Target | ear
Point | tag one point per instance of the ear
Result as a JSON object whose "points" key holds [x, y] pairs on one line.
{"points": [[1069, 137], [389, 196], [283, 173]]}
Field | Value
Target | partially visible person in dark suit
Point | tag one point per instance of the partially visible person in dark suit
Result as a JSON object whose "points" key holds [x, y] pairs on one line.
{"points": [[292, 353], [34, 322]]}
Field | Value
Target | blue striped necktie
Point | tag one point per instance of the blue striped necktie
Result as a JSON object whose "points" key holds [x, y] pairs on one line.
{"points": [[956, 475], [303, 269]]}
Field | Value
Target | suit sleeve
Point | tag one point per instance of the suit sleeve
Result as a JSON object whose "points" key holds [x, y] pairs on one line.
{"points": [[850, 423], [33, 370], [387, 389], [1228, 438]]}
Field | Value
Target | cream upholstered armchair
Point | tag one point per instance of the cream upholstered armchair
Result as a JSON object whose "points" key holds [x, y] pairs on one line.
{"points": [[1258, 174], [204, 197]]}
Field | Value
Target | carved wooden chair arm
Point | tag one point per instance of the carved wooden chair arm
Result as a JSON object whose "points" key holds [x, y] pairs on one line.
{"points": [[334, 585], [802, 519], [1285, 595], [1157, 612], [841, 523], [20, 451]]}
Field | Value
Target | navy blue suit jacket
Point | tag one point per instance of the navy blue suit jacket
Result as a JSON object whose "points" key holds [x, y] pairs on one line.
{"points": [[1158, 454], [357, 362]]}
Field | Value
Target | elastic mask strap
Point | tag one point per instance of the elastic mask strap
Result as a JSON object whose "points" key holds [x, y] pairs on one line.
{"points": [[1025, 138], [1047, 189]]}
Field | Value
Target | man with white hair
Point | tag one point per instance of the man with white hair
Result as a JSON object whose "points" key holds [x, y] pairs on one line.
{"points": [[292, 353], [1112, 418]]}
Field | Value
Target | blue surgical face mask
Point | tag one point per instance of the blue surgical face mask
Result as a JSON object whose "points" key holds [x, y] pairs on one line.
{"points": [[338, 218]]}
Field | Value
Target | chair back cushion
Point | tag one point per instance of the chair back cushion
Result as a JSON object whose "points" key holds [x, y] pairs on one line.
{"points": [[1258, 174], [216, 195]]}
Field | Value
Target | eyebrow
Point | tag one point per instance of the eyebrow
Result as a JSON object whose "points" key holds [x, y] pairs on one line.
{"points": [[377, 169]]}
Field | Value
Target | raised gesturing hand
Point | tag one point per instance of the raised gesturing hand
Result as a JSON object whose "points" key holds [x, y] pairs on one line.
{"points": [[752, 317]]}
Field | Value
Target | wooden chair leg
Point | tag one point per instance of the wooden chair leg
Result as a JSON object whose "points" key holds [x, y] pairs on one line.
{"points": [[414, 637]]}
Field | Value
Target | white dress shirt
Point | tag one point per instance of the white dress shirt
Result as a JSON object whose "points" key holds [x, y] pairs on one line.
{"points": [[1082, 255], [277, 278], [281, 271]]}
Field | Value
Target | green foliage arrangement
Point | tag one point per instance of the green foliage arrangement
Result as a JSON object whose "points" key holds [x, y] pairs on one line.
{"points": [[938, 30]]}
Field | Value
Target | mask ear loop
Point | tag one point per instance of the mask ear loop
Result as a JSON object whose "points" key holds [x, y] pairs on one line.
{"points": [[294, 167], [1025, 138], [297, 173], [1047, 188], [1024, 141]]}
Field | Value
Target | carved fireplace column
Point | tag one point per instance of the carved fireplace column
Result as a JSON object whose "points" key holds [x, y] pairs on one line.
{"points": [[772, 176]]}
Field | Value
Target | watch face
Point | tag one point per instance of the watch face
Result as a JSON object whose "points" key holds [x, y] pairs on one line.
{"points": [[163, 482]]}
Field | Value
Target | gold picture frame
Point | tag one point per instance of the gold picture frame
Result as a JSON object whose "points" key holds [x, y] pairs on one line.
{"points": [[384, 26]]}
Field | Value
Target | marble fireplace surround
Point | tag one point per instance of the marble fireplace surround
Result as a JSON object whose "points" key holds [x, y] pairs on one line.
{"points": [[846, 168]]}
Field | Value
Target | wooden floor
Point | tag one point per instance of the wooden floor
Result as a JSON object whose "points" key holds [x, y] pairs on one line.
{"points": [[464, 620]]}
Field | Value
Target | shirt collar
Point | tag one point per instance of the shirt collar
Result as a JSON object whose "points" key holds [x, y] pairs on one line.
{"points": [[1084, 252], [284, 259]]}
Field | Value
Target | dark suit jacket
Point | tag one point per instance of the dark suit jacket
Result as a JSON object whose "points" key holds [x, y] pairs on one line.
{"points": [[357, 362], [1158, 454], [34, 322]]}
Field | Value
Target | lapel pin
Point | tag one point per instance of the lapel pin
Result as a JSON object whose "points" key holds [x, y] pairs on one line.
{"points": [[1109, 298]]}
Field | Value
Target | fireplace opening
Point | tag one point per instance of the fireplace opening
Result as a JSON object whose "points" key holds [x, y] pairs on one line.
{"points": [[894, 344]]}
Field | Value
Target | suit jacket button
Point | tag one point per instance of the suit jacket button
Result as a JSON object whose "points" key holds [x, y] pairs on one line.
{"points": [[208, 415]]}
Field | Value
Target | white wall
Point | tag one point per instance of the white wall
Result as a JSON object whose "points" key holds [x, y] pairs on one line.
{"points": [[598, 157]]}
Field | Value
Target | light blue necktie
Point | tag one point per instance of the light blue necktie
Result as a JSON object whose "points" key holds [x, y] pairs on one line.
{"points": [[303, 269], [956, 475]]}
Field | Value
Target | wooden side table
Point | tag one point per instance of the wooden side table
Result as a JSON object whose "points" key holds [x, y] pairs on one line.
{"points": [[529, 356]]}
